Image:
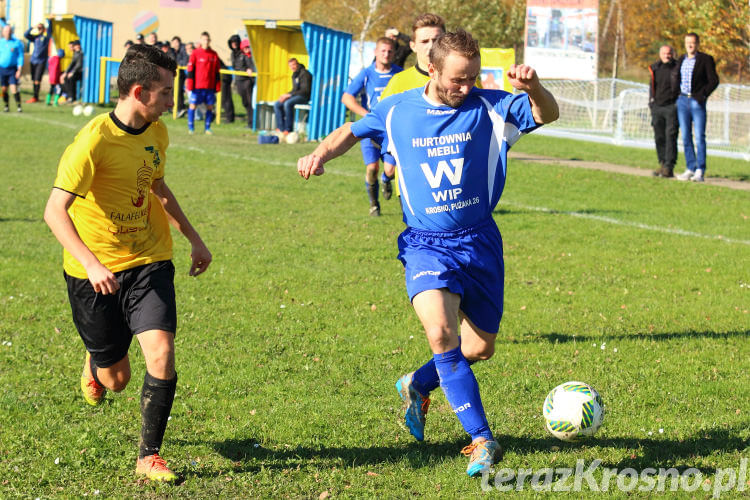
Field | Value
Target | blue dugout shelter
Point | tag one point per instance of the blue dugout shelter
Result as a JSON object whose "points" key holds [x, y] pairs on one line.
{"points": [[324, 51], [96, 42]]}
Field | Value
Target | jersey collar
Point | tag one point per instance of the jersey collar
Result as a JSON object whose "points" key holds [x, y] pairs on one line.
{"points": [[125, 128]]}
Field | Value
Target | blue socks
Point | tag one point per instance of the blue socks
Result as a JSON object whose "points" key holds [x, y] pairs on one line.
{"points": [[191, 119], [462, 392], [426, 379], [209, 118], [385, 178]]}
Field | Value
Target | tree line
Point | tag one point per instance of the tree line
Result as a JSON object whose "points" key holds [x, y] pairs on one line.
{"points": [[636, 27]]}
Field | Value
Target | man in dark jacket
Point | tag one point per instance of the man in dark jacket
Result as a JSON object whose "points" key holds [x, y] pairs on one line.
{"points": [[300, 94], [40, 38], [663, 92], [698, 79], [74, 73], [403, 47], [227, 104], [242, 60], [182, 58]]}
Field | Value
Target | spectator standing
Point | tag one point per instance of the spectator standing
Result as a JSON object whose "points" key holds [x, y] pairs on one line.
{"points": [[243, 61], [663, 92], [698, 79], [227, 104], [403, 46], [203, 81], [74, 72], [182, 57], [371, 81], [152, 39], [54, 72], [39, 37], [139, 39], [11, 63], [300, 94]]}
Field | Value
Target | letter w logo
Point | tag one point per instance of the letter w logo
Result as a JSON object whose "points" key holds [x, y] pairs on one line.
{"points": [[453, 175]]}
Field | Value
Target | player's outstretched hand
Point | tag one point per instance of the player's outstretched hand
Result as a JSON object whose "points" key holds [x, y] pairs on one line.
{"points": [[200, 257], [310, 165], [523, 77], [102, 279]]}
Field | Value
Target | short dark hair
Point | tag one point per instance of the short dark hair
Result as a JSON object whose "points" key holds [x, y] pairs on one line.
{"points": [[695, 35], [428, 21], [385, 39], [141, 66], [461, 42], [177, 38], [205, 33]]}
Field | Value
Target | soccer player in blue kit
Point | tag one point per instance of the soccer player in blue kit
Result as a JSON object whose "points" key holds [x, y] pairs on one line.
{"points": [[450, 140], [373, 79]]}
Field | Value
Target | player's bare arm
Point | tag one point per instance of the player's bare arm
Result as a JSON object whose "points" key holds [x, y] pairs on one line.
{"points": [[199, 254], [543, 103], [57, 218], [337, 143], [352, 105]]}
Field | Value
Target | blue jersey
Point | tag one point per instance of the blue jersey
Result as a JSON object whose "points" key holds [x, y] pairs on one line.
{"points": [[452, 162], [373, 81]]}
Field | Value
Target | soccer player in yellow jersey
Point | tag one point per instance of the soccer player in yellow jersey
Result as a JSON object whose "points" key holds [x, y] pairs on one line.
{"points": [[110, 208], [425, 30]]}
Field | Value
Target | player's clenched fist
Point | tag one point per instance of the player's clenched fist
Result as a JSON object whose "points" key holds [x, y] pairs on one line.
{"points": [[522, 76], [310, 165]]}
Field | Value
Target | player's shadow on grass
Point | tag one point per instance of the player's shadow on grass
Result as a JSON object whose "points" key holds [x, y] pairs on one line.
{"points": [[526, 211], [562, 338], [19, 219], [249, 456]]}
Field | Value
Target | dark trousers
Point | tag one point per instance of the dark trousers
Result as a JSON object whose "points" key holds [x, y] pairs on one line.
{"points": [[71, 85], [227, 105], [665, 123], [245, 90], [181, 91]]}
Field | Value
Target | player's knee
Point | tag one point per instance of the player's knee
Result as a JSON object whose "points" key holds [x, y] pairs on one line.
{"points": [[120, 382], [441, 338], [480, 352], [117, 380]]}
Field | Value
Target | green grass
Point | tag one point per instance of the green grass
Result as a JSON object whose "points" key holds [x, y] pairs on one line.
{"points": [[570, 149], [289, 345]]}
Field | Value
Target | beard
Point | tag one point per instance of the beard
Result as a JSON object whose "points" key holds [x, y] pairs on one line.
{"points": [[454, 100]]}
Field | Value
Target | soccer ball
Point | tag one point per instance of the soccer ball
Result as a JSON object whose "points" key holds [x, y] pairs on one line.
{"points": [[292, 138], [573, 410], [88, 110], [77, 110]]}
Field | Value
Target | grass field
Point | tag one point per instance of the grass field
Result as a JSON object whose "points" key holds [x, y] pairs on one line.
{"points": [[289, 346]]}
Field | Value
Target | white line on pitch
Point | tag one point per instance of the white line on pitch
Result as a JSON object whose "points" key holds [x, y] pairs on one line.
{"points": [[610, 220]]}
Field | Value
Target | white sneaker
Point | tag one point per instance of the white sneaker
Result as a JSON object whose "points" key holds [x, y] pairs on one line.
{"points": [[698, 175], [686, 175]]}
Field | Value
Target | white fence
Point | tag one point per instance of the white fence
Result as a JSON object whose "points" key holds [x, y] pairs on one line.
{"points": [[616, 112]]}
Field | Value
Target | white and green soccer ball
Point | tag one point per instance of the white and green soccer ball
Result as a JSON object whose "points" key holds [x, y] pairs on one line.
{"points": [[573, 410]]}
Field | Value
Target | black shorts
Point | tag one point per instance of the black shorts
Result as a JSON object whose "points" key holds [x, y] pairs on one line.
{"points": [[107, 323], [37, 71]]}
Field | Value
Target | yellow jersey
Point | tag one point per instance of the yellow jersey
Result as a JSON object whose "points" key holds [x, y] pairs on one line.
{"points": [[110, 167], [405, 80]]}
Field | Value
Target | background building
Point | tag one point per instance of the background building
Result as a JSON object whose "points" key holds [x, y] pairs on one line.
{"points": [[184, 18]]}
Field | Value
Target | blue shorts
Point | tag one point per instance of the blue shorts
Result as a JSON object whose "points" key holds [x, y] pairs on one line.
{"points": [[387, 158], [8, 76], [370, 151], [468, 262], [203, 96]]}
